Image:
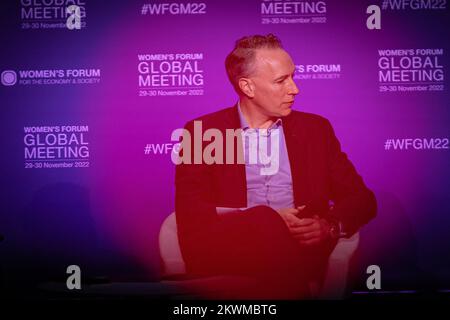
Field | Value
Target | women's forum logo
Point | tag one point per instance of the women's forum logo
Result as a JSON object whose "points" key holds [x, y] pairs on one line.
{"points": [[9, 77]]}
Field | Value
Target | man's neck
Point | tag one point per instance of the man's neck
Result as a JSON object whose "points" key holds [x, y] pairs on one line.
{"points": [[254, 118]]}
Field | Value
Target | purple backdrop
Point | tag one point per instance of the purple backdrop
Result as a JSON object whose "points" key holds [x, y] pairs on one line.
{"points": [[376, 86]]}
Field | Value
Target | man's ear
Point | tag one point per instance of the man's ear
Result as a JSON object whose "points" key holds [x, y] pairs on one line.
{"points": [[247, 87]]}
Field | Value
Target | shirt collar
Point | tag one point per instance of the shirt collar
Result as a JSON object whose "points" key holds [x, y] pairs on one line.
{"points": [[244, 124]]}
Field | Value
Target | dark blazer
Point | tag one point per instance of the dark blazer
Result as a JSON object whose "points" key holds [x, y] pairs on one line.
{"points": [[320, 172]]}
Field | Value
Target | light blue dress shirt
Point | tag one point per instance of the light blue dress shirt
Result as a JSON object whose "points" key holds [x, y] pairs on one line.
{"points": [[274, 189]]}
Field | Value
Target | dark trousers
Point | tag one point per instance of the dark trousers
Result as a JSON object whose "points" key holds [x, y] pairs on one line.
{"points": [[257, 245]]}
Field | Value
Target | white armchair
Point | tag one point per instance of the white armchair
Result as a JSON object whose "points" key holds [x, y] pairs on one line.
{"points": [[336, 278]]}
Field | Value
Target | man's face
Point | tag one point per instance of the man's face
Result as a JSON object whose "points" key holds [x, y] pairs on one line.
{"points": [[274, 88]]}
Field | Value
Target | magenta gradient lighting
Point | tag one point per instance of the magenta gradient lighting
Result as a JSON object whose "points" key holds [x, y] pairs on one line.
{"points": [[135, 192], [128, 193]]}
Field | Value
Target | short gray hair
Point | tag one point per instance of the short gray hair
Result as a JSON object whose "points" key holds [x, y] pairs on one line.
{"points": [[239, 62]]}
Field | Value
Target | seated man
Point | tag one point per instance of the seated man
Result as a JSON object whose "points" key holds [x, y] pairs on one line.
{"points": [[272, 216]]}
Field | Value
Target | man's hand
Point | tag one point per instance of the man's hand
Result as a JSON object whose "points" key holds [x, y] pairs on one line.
{"points": [[289, 216], [311, 231], [307, 231]]}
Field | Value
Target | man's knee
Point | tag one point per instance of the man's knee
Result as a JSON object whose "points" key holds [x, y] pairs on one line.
{"points": [[263, 214], [267, 221]]}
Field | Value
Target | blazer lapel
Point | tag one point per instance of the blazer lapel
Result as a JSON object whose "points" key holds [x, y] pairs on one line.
{"points": [[233, 175], [296, 143]]}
